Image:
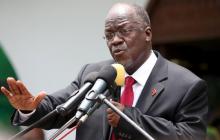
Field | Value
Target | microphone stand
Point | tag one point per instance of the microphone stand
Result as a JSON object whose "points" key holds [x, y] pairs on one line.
{"points": [[84, 117], [81, 118], [119, 112], [34, 125], [59, 131]]}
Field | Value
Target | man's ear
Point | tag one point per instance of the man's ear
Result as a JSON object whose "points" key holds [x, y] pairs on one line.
{"points": [[148, 33]]}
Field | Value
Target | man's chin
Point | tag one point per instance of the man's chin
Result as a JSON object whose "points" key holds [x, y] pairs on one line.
{"points": [[127, 64], [121, 62]]}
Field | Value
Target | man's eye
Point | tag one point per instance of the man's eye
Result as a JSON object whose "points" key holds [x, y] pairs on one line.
{"points": [[124, 31], [109, 35]]}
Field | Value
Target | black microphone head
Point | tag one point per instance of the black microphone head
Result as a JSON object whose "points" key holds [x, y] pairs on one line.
{"points": [[91, 77], [108, 73]]}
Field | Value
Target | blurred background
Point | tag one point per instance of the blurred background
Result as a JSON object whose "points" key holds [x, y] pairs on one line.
{"points": [[46, 42]]}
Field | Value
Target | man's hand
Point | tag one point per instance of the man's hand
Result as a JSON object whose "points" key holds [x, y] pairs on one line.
{"points": [[113, 118], [19, 97]]}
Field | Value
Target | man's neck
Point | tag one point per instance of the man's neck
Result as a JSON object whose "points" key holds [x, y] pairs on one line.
{"points": [[130, 70]]}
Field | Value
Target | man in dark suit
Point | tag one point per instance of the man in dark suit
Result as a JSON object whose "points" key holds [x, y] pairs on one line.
{"points": [[168, 101]]}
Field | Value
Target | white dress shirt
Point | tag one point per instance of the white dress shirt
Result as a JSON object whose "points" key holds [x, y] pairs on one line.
{"points": [[141, 76]]}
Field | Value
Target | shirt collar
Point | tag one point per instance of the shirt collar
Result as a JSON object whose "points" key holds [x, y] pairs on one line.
{"points": [[142, 74]]}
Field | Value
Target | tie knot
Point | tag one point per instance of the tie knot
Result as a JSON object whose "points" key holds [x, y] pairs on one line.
{"points": [[129, 81]]}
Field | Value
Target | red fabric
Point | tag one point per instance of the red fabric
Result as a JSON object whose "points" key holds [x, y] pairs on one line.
{"points": [[128, 93], [113, 136], [127, 97]]}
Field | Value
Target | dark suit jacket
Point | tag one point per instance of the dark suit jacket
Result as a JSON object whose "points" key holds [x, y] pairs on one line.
{"points": [[178, 110]]}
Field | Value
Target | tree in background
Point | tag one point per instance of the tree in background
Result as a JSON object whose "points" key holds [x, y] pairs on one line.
{"points": [[6, 70], [6, 110]]}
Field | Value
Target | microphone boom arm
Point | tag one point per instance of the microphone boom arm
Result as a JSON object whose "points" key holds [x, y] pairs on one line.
{"points": [[119, 112]]}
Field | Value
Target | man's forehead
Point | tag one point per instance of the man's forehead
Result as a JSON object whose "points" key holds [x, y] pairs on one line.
{"points": [[117, 20], [120, 12], [120, 9], [121, 21]]}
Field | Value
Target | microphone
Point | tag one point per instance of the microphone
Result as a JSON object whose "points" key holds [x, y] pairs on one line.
{"points": [[108, 75], [78, 95], [120, 77]]}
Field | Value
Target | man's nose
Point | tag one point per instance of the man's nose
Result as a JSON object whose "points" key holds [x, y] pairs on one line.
{"points": [[117, 40]]}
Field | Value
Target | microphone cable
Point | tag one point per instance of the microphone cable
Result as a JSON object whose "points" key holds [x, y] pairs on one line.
{"points": [[68, 132]]}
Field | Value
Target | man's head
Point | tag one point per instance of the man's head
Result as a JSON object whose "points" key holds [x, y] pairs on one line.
{"points": [[128, 35]]}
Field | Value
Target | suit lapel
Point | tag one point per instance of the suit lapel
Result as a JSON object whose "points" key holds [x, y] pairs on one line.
{"points": [[149, 96], [154, 85]]}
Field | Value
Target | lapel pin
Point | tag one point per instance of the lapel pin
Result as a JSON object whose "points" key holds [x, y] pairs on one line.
{"points": [[153, 92]]}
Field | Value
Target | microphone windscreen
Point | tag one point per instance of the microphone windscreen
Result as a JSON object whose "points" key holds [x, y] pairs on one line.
{"points": [[91, 77], [120, 78], [108, 73]]}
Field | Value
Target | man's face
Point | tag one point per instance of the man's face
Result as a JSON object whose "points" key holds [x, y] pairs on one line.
{"points": [[126, 39]]}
